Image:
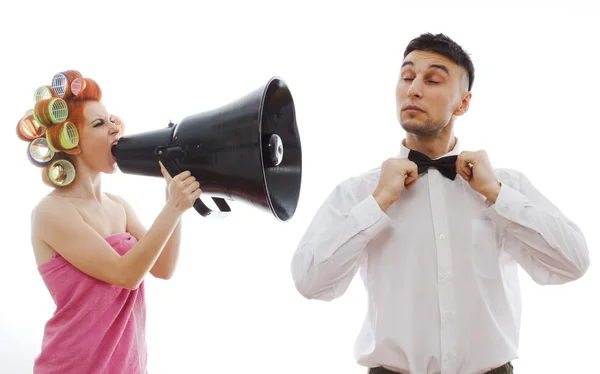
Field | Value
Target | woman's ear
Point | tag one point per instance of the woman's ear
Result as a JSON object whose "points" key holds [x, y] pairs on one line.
{"points": [[74, 151]]}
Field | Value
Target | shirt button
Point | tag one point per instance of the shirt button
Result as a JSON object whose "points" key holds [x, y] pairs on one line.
{"points": [[448, 356], [442, 236], [447, 316], [444, 276]]}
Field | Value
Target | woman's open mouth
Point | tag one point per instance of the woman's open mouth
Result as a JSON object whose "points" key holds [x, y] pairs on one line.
{"points": [[113, 150]]}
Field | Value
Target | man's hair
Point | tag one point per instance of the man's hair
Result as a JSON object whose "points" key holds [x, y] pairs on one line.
{"points": [[443, 45]]}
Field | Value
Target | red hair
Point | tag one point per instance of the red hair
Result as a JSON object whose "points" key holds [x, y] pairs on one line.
{"points": [[58, 117]]}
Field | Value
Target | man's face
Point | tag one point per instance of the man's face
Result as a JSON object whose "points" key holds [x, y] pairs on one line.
{"points": [[431, 90]]}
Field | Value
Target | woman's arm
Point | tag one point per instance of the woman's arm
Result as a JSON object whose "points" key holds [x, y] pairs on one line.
{"points": [[59, 225], [165, 265], [164, 268]]}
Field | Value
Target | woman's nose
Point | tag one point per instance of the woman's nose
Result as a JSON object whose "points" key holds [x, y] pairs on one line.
{"points": [[114, 129]]}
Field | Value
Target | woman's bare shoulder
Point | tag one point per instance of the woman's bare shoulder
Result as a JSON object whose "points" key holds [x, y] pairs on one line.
{"points": [[50, 207], [53, 203], [49, 211]]}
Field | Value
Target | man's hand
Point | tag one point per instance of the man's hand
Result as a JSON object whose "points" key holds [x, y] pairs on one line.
{"points": [[395, 175], [476, 168]]}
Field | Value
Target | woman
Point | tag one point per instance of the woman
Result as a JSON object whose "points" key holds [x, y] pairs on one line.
{"points": [[90, 247]]}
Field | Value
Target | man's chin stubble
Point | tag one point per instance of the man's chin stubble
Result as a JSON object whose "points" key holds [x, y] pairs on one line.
{"points": [[422, 129]]}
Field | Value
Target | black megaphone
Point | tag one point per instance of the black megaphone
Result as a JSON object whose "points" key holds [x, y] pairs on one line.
{"points": [[247, 150]]}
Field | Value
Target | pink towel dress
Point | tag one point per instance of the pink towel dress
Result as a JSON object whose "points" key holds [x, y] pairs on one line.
{"points": [[96, 327]]}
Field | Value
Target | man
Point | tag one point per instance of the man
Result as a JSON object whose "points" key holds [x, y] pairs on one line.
{"points": [[438, 253]]}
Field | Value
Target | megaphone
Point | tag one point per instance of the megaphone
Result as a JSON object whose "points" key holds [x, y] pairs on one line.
{"points": [[248, 150]]}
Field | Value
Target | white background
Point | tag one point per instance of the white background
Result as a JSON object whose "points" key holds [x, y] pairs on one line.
{"points": [[232, 305]]}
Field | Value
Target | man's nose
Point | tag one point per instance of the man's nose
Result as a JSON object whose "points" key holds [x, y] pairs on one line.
{"points": [[415, 88]]}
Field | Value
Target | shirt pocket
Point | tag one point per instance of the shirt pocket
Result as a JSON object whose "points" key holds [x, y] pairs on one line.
{"points": [[484, 248]]}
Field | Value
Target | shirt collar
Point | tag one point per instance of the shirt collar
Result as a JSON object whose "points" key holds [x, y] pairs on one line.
{"points": [[404, 150]]}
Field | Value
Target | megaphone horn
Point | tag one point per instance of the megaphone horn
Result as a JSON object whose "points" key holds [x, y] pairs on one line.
{"points": [[248, 150]]}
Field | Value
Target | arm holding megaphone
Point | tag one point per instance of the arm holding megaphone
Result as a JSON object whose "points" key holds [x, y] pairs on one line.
{"points": [[183, 190], [61, 226]]}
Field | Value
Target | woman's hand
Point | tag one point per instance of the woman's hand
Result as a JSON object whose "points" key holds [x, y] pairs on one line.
{"points": [[182, 190]]}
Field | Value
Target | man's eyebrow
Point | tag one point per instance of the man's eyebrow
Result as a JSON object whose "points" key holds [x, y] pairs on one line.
{"points": [[432, 66], [441, 67]]}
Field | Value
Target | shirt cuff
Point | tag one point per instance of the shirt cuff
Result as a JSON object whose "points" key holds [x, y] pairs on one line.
{"points": [[509, 205], [369, 217]]}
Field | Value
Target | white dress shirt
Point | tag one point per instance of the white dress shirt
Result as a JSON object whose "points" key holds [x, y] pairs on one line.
{"points": [[439, 267]]}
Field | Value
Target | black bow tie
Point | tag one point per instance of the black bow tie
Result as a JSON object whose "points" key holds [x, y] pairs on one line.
{"points": [[446, 165]]}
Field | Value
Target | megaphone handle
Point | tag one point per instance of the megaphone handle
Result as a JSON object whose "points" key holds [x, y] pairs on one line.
{"points": [[204, 211], [174, 169]]}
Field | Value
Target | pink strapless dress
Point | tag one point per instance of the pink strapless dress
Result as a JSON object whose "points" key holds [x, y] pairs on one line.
{"points": [[97, 327]]}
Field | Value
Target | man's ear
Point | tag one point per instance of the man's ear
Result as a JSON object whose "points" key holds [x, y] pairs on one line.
{"points": [[464, 105]]}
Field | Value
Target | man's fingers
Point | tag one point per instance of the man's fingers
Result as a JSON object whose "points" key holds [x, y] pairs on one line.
{"points": [[464, 164], [410, 177], [464, 169], [467, 170], [412, 170]]}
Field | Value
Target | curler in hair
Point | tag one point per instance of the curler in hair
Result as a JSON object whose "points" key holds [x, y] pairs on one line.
{"points": [[28, 129], [78, 86], [64, 139], [50, 111], [61, 82], [49, 142], [61, 172], [42, 93], [86, 89], [39, 153], [69, 137]]}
